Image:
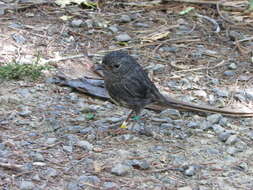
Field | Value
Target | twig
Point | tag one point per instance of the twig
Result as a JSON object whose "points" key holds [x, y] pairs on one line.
{"points": [[222, 63], [244, 40], [54, 60], [212, 21], [219, 12], [11, 166]]}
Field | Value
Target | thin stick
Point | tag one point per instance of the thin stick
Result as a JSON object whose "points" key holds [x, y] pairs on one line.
{"points": [[212, 21]]}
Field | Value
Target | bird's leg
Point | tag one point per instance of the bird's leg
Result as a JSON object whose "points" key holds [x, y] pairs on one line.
{"points": [[124, 124]]}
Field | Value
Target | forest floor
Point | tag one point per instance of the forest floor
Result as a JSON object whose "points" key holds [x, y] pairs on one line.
{"points": [[52, 137]]}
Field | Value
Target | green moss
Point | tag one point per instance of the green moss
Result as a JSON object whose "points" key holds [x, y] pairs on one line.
{"points": [[17, 71]]}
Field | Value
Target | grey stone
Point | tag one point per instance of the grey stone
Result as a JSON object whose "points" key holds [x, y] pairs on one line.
{"points": [[193, 124], [249, 94], [232, 66], [232, 150], [85, 145], [190, 171], [67, 148], [200, 93], [173, 113], [120, 169], [114, 119], [224, 136], [26, 185], [19, 38], [171, 49], [232, 140], [123, 37], [36, 156], [89, 23], [113, 29], [158, 68], [229, 73], [51, 172], [76, 23], [218, 129], [214, 118], [221, 92], [73, 186], [51, 140], [142, 25], [125, 18], [138, 164], [86, 130], [84, 179], [110, 186]]}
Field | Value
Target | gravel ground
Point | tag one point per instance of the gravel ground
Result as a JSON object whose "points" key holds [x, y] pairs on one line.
{"points": [[54, 138]]}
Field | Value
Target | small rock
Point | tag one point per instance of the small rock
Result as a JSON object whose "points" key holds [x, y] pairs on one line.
{"points": [[51, 140], [229, 73], [232, 66], [51, 172], [190, 171], [67, 148], [139, 164], [158, 68], [142, 25], [72, 186], [114, 119], [184, 188], [221, 92], [214, 118], [218, 129], [113, 29], [193, 124], [120, 169], [89, 23], [224, 136], [249, 94], [200, 93], [83, 180], [123, 38], [171, 49], [232, 140], [85, 145], [37, 157], [26, 185], [232, 150], [76, 23], [110, 186], [171, 113], [19, 38], [125, 18]]}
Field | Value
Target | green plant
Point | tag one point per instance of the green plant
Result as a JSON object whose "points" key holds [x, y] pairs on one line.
{"points": [[22, 71]]}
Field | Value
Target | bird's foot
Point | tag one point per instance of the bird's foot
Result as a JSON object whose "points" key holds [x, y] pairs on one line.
{"points": [[124, 125]]}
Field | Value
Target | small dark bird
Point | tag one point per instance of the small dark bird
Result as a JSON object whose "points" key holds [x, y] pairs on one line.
{"points": [[129, 86]]}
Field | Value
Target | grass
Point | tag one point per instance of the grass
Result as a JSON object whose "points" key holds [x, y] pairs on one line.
{"points": [[15, 71]]}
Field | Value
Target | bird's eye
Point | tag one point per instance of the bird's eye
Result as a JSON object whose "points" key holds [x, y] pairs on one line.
{"points": [[116, 66]]}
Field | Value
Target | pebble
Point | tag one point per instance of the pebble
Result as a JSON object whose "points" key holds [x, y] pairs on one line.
{"points": [[26, 185], [138, 164], [249, 94], [120, 169], [76, 23], [190, 171], [158, 68], [218, 129], [214, 118], [72, 186], [84, 179], [193, 124], [51, 140], [221, 92], [232, 150], [51, 172], [229, 73], [184, 188], [232, 140], [223, 136], [200, 93], [113, 29], [232, 66], [85, 145], [110, 186], [89, 23], [124, 19], [19, 38], [171, 49], [123, 38], [141, 25], [37, 157], [67, 148], [171, 113]]}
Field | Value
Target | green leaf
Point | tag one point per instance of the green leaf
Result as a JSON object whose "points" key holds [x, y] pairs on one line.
{"points": [[90, 116], [186, 11]]}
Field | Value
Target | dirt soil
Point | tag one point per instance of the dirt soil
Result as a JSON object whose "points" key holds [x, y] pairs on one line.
{"points": [[54, 138]]}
